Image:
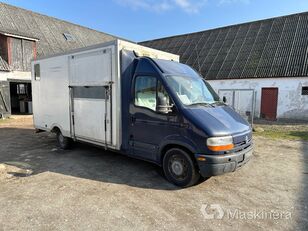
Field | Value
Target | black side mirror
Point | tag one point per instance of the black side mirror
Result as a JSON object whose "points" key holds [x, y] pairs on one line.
{"points": [[224, 99], [162, 104]]}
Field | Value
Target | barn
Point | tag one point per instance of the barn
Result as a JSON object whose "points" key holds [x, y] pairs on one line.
{"points": [[26, 35], [260, 67]]}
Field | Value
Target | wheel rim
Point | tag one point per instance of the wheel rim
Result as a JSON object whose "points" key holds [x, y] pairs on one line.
{"points": [[178, 167]]}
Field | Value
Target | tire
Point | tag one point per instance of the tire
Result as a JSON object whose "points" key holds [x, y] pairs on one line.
{"points": [[179, 168], [63, 142]]}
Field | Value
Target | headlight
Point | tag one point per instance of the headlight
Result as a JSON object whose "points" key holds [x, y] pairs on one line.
{"points": [[223, 143]]}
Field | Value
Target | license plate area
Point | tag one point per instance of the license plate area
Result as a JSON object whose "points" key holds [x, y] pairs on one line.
{"points": [[248, 155], [240, 159]]}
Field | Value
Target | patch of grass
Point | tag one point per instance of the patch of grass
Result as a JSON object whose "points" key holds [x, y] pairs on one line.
{"points": [[289, 135]]}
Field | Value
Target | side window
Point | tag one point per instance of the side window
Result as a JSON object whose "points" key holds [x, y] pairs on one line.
{"points": [[145, 92], [37, 72], [304, 90]]}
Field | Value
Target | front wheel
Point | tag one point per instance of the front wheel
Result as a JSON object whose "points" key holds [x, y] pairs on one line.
{"points": [[179, 168], [63, 142]]}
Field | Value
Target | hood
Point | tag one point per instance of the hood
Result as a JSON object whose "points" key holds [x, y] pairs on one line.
{"points": [[216, 121]]}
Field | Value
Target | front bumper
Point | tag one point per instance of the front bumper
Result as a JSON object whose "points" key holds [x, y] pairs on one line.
{"points": [[219, 164]]}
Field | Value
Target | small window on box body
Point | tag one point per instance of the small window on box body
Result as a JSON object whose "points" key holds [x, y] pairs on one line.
{"points": [[305, 90], [37, 72]]}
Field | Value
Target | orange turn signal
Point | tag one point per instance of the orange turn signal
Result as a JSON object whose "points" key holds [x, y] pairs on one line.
{"points": [[221, 148], [201, 158]]}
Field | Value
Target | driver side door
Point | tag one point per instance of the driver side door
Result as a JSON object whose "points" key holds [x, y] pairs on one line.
{"points": [[148, 126]]}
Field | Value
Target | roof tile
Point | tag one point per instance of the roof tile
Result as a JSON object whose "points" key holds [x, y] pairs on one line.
{"points": [[275, 47]]}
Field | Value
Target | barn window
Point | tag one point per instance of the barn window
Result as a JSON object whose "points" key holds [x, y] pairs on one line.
{"points": [[22, 89], [304, 90], [68, 37], [37, 72]]}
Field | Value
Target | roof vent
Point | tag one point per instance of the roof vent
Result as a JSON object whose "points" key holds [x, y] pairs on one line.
{"points": [[69, 37]]}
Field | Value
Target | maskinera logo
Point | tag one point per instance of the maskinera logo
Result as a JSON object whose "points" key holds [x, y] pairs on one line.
{"points": [[216, 211], [213, 211]]}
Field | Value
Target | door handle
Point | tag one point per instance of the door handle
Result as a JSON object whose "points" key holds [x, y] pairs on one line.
{"points": [[133, 119]]}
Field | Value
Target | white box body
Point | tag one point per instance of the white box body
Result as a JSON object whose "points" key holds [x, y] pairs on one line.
{"points": [[79, 92]]}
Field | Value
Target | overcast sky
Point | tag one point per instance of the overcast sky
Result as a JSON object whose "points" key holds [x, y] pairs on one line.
{"points": [[140, 20]]}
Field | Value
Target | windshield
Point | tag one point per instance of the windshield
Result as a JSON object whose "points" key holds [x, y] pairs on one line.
{"points": [[192, 90]]}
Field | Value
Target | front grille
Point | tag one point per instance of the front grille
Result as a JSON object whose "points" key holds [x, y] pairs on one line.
{"points": [[242, 143], [241, 148]]}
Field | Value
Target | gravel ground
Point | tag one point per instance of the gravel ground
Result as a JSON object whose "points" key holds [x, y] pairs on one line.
{"points": [[86, 188]]}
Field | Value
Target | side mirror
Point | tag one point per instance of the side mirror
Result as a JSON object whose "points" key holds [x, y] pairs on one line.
{"points": [[224, 99], [162, 105]]}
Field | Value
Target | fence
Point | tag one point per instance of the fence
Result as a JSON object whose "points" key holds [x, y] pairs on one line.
{"points": [[241, 100]]}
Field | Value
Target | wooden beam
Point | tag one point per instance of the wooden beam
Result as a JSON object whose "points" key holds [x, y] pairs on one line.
{"points": [[9, 50], [34, 51]]}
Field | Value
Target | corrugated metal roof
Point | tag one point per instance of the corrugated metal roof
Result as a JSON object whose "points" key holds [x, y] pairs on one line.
{"points": [[276, 47], [50, 31]]}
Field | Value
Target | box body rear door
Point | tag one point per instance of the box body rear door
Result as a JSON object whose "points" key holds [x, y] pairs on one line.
{"points": [[90, 87]]}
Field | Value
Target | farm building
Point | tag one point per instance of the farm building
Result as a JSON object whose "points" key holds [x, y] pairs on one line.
{"points": [[25, 35], [260, 67]]}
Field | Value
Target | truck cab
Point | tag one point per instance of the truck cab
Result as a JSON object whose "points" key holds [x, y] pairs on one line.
{"points": [[171, 116]]}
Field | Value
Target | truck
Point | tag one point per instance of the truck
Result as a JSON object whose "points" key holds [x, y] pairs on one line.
{"points": [[143, 103]]}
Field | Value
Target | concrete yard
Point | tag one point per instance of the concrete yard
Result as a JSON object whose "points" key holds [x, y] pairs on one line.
{"points": [[86, 188]]}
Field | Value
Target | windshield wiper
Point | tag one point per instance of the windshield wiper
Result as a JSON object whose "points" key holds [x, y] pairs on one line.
{"points": [[202, 103], [218, 103]]}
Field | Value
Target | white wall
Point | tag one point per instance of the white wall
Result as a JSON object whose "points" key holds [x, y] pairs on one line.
{"points": [[291, 104], [18, 75]]}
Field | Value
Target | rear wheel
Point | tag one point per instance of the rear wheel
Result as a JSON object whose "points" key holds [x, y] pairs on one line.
{"points": [[179, 168], [63, 142]]}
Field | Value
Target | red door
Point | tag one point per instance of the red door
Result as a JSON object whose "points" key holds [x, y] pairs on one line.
{"points": [[269, 100]]}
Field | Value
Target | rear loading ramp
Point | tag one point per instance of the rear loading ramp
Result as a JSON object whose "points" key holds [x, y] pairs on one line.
{"points": [[91, 80]]}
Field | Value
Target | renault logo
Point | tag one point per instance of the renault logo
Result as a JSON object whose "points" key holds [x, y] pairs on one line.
{"points": [[246, 139]]}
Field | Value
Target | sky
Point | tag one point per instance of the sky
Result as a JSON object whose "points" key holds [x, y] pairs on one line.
{"points": [[140, 20]]}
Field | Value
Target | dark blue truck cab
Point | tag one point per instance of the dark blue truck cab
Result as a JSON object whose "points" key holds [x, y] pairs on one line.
{"points": [[171, 116]]}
